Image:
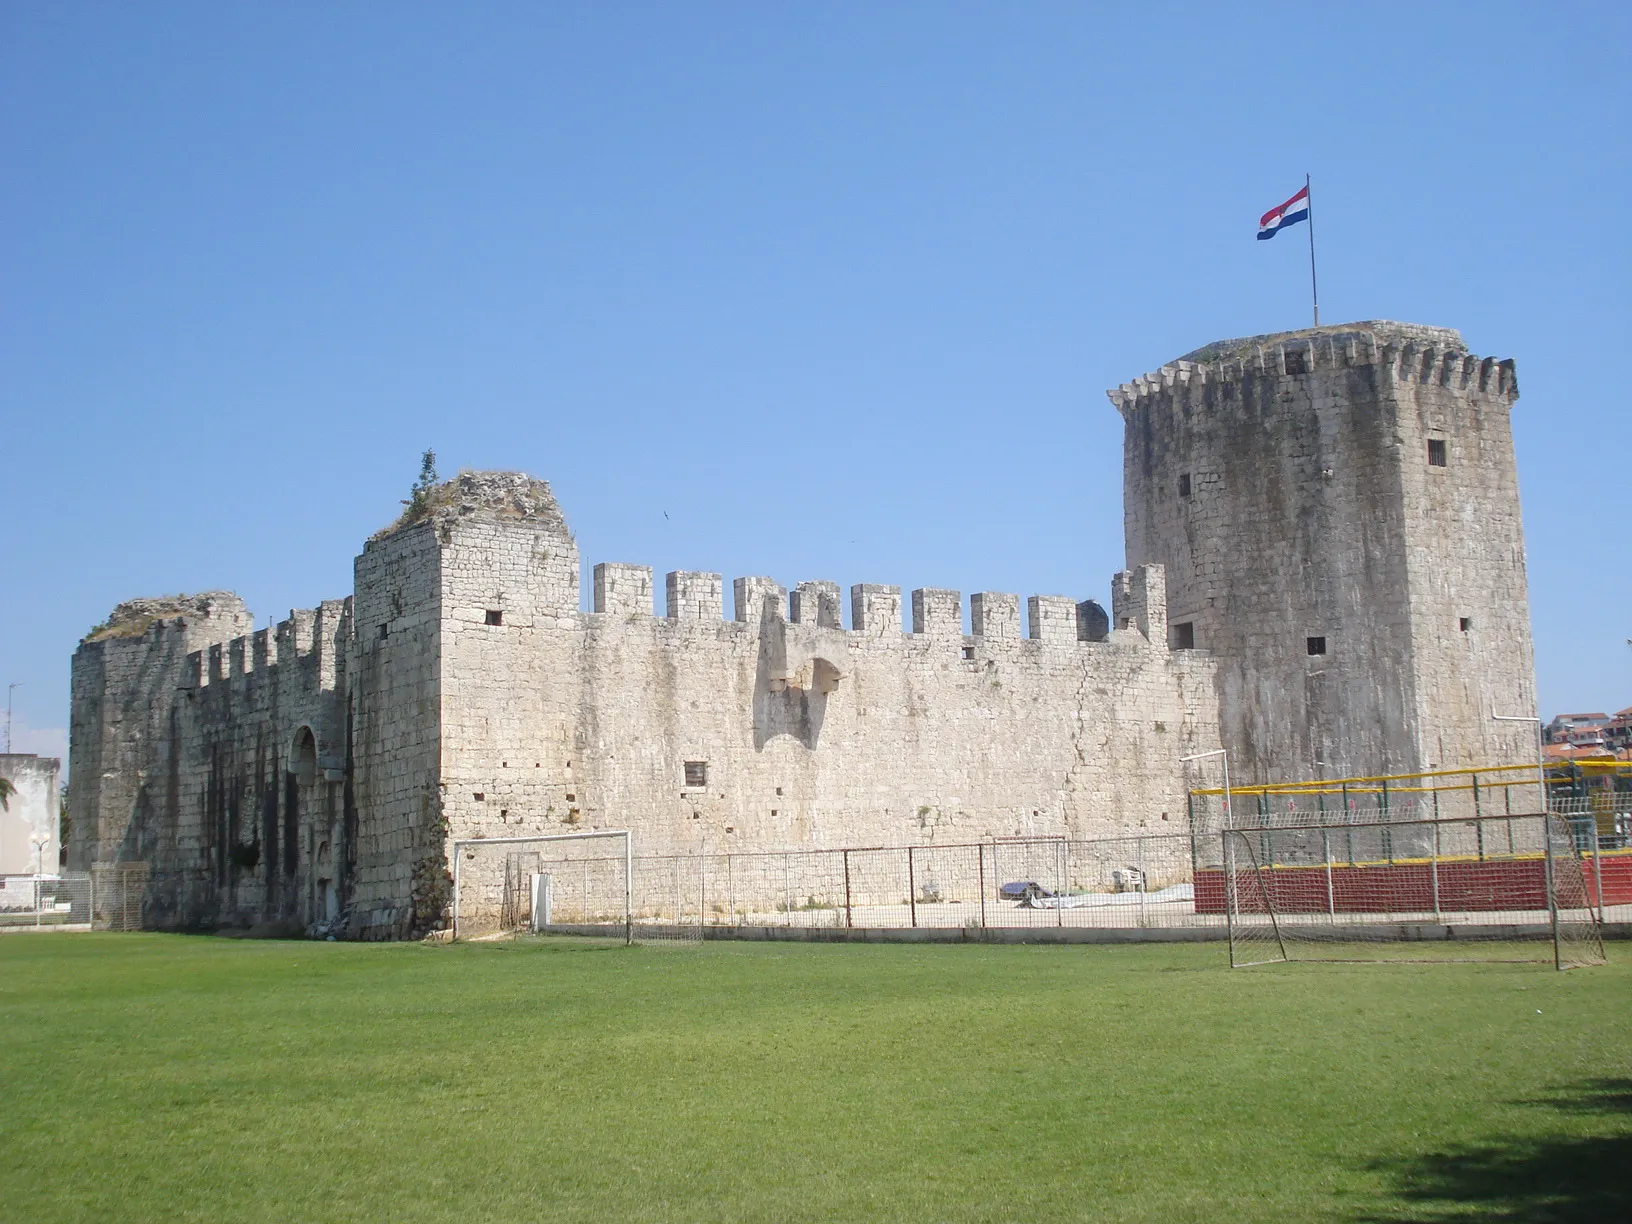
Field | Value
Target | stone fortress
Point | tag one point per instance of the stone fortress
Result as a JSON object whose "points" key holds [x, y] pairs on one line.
{"points": [[1325, 575]]}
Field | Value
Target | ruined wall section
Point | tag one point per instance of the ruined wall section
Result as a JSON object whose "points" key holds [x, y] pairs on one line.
{"points": [[1282, 481], [125, 676], [799, 731], [260, 786], [231, 762]]}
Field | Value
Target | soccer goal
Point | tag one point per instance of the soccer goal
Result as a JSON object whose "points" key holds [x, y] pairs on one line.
{"points": [[670, 898], [577, 884], [1505, 888], [503, 885]]}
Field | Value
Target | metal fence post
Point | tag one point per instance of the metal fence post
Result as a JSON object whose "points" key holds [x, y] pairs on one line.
{"points": [[847, 888], [1061, 874], [1433, 869], [980, 862], [912, 889], [1552, 894], [1598, 873], [1326, 853]]}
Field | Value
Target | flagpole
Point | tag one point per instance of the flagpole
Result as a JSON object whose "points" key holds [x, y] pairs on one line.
{"points": [[1314, 286]]}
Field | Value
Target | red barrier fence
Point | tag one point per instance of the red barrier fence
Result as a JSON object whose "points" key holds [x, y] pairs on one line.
{"points": [[1417, 886]]}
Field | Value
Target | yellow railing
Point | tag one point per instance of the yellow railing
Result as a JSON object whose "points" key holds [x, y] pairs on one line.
{"points": [[1489, 777]]}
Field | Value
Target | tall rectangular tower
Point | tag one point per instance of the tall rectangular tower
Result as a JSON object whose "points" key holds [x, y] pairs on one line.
{"points": [[1338, 512]]}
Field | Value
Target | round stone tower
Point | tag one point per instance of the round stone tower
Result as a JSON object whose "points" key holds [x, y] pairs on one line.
{"points": [[1338, 512]]}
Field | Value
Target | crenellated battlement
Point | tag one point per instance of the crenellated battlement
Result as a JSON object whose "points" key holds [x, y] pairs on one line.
{"points": [[316, 638], [875, 609], [623, 588], [1401, 352]]}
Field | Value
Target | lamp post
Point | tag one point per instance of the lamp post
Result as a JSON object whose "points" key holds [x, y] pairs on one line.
{"points": [[1229, 813], [11, 689]]}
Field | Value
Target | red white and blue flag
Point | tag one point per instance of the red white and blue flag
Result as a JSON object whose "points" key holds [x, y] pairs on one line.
{"points": [[1276, 219]]}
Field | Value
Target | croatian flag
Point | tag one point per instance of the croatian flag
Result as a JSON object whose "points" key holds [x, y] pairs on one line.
{"points": [[1276, 219]]}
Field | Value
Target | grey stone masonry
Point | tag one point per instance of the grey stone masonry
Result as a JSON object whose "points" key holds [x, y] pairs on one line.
{"points": [[695, 596], [815, 603], [937, 612], [994, 615], [1337, 510], [623, 588]]}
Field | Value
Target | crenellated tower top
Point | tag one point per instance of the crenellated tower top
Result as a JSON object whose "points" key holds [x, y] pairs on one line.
{"points": [[1404, 352]]}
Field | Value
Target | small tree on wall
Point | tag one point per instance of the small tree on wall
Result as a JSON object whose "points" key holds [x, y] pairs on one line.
{"points": [[419, 496]]}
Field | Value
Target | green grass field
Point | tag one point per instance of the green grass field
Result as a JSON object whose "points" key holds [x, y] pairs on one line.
{"points": [[149, 1077]]}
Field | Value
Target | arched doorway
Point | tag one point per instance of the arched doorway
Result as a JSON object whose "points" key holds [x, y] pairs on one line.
{"points": [[309, 823]]}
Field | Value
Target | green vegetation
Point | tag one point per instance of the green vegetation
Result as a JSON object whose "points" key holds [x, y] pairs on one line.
{"points": [[419, 498], [153, 1077], [135, 617]]}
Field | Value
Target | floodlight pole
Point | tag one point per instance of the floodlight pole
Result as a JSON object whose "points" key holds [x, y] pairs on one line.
{"points": [[1229, 813]]}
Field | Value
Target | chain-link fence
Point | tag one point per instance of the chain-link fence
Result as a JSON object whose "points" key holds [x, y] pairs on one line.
{"points": [[1014, 882], [46, 901], [1167, 881], [117, 891]]}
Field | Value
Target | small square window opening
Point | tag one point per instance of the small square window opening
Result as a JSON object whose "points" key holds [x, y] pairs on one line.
{"points": [[1184, 636], [495, 616], [385, 632], [696, 773], [1315, 645], [1436, 452], [1296, 363], [968, 652], [1465, 623], [1184, 485]]}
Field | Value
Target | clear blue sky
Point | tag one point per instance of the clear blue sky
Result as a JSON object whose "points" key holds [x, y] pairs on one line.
{"points": [[802, 290]]}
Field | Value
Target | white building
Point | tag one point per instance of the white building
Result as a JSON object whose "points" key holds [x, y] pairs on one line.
{"points": [[29, 832]]}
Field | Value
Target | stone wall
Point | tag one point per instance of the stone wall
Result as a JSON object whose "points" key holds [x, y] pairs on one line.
{"points": [[805, 733], [126, 674], [314, 774]]}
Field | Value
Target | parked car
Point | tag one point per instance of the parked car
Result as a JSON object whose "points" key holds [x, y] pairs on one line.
{"points": [[1023, 890]]}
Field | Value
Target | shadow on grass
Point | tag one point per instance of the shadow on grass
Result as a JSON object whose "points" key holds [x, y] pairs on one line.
{"points": [[1533, 1180]]}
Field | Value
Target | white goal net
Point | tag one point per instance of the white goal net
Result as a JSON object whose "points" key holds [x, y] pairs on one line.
{"points": [[576, 884], [505, 885], [1505, 888]]}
